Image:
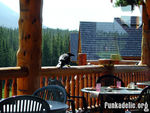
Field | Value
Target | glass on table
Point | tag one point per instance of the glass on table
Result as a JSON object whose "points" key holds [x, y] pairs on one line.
{"points": [[118, 84], [98, 86], [131, 85]]}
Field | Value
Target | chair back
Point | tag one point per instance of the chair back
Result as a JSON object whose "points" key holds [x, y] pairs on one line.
{"points": [[24, 104], [52, 92], [145, 95], [144, 98], [57, 82], [108, 80]]}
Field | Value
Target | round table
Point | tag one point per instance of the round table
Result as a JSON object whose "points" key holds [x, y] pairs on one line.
{"points": [[146, 83], [117, 93]]}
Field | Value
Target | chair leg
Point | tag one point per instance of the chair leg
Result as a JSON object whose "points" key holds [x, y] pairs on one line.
{"points": [[72, 105]]}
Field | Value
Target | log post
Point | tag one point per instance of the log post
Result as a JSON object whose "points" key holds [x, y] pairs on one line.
{"points": [[82, 59], [30, 39], [108, 65], [148, 7], [145, 56]]}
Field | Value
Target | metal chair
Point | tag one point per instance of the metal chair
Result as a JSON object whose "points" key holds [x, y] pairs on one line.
{"points": [[52, 93], [110, 80], [24, 104], [57, 82], [143, 98]]}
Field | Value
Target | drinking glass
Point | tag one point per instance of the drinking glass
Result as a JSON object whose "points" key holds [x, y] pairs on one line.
{"points": [[98, 86], [118, 84]]}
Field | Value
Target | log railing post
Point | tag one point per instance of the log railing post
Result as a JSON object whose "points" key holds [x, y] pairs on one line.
{"points": [[30, 39], [14, 87], [82, 59], [6, 89], [41, 82], [108, 65]]}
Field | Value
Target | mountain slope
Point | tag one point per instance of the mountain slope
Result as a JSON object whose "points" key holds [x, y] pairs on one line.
{"points": [[8, 17]]}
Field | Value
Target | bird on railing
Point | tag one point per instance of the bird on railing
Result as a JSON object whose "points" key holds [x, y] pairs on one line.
{"points": [[64, 59]]}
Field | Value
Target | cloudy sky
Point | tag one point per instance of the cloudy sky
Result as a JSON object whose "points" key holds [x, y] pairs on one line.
{"points": [[67, 14]]}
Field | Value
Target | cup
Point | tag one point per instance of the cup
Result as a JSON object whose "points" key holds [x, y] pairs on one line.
{"points": [[132, 85], [118, 84], [98, 86]]}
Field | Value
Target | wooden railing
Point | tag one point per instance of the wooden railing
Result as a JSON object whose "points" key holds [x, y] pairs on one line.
{"points": [[74, 78], [78, 77], [8, 81]]}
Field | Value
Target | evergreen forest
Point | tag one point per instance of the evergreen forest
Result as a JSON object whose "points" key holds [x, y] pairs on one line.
{"points": [[54, 43]]}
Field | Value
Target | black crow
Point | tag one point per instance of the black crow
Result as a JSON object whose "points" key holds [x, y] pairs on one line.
{"points": [[64, 59]]}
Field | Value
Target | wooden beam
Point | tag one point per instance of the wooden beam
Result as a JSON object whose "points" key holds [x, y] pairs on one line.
{"points": [[131, 68], [74, 70], [48, 71], [30, 40], [123, 62], [12, 72]]}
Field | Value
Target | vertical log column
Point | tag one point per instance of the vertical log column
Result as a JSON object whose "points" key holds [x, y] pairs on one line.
{"points": [[30, 38], [145, 56], [146, 34]]}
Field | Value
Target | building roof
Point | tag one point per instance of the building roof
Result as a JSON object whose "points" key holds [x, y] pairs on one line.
{"points": [[101, 39], [74, 45]]}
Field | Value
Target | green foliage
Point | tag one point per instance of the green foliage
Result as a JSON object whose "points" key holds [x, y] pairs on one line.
{"points": [[121, 3], [54, 43], [127, 2], [8, 46]]}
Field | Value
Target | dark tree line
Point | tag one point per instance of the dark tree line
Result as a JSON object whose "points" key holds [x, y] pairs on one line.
{"points": [[8, 46], [54, 43]]}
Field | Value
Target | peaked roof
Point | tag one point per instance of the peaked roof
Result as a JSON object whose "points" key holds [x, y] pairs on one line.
{"points": [[101, 39]]}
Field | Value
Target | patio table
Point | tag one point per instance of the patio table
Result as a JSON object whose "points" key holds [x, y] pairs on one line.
{"points": [[117, 93], [146, 83]]}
